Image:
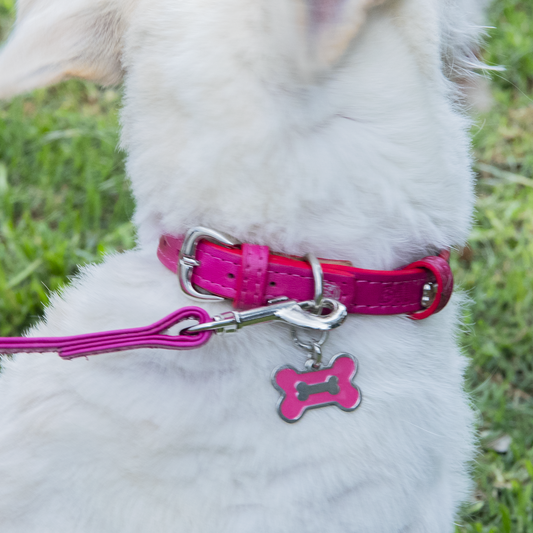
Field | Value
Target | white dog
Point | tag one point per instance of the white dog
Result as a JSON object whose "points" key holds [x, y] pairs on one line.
{"points": [[321, 126]]}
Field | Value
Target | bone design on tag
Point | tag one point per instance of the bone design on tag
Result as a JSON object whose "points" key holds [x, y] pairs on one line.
{"points": [[331, 385], [305, 390]]}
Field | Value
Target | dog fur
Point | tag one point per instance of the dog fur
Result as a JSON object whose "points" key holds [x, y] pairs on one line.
{"points": [[316, 126]]}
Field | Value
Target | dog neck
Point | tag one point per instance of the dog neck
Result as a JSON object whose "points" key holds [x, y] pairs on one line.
{"points": [[368, 163]]}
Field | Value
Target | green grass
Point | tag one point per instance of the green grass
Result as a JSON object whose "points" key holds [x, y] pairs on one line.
{"points": [[64, 202], [63, 196], [497, 271]]}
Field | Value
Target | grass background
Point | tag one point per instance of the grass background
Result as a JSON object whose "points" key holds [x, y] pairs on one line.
{"points": [[64, 201]]}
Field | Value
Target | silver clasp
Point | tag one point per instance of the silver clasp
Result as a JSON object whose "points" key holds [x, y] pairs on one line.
{"points": [[296, 314], [187, 259]]}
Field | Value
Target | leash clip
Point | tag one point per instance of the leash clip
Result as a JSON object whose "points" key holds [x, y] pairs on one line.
{"points": [[291, 312]]}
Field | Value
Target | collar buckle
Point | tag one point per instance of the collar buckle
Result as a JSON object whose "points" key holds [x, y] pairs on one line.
{"points": [[187, 259]]}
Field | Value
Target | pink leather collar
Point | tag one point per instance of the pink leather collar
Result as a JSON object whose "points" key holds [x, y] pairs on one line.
{"points": [[251, 275]]}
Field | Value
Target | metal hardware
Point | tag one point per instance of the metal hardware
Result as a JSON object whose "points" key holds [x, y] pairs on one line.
{"points": [[429, 292], [297, 314], [187, 259], [278, 300], [318, 276], [314, 346], [315, 358], [305, 390]]}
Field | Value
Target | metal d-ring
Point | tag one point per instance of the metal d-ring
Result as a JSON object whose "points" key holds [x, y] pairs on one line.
{"points": [[318, 276], [314, 347]]}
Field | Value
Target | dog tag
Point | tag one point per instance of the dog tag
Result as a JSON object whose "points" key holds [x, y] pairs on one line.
{"points": [[331, 385]]}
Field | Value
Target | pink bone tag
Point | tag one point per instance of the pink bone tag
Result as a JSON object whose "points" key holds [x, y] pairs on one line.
{"points": [[331, 385]]}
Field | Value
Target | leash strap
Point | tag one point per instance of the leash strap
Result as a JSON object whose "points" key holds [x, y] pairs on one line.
{"points": [[251, 275], [114, 341]]}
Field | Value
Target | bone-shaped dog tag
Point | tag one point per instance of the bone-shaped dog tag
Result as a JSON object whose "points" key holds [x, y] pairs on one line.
{"points": [[331, 385]]}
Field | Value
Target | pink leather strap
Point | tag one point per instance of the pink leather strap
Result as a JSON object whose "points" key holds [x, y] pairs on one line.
{"points": [[371, 292], [252, 276], [114, 341]]}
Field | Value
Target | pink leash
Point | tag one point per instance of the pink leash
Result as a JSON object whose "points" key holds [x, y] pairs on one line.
{"points": [[112, 341], [294, 313]]}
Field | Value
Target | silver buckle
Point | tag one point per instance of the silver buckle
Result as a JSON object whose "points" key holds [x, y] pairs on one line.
{"points": [[187, 259]]}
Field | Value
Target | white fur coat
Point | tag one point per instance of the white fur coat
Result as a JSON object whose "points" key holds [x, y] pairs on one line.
{"points": [[305, 125]]}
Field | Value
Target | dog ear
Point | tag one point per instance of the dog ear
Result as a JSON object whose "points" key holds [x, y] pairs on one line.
{"points": [[58, 39], [332, 24]]}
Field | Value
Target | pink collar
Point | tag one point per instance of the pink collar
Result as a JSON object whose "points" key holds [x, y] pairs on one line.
{"points": [[251, 275]]}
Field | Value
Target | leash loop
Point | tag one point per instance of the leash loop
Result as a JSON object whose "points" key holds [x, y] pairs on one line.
{"points": [[153, 336]]}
